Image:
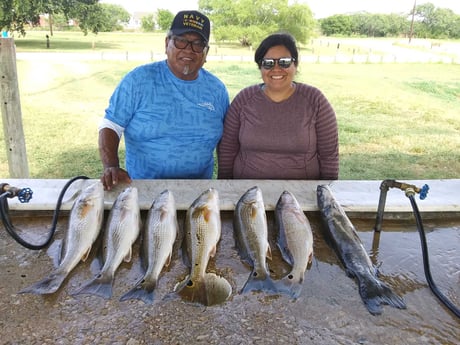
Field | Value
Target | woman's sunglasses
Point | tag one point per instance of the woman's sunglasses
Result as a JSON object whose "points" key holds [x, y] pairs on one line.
{"points": [[282, 62]]}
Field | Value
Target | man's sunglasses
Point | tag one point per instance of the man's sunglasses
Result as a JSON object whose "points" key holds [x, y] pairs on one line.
{"points": [[282, 62], [181, 43]]}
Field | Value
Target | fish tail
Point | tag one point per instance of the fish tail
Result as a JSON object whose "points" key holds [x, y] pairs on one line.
{"points": [[99, 286], [259, 282], [193, 290], [289, 286], [375, 293], [208, 290], [46, 286], [143, 290]]}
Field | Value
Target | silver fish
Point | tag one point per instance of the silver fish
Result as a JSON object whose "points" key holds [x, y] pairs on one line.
{"points": [[350, 250], [202, 233], [295, 241], [85, 223], [122, 230], [159, 235], [251, 239]]}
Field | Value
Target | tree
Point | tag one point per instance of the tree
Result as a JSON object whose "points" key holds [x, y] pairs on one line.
{"points": [[430, 22], [165, 18], [148, 23], [249, 21], [338, 24], [298, 20], [113, 16], [15, 15]]}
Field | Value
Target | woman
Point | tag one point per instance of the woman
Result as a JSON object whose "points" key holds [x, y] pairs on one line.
{"points": [[279, 129]]}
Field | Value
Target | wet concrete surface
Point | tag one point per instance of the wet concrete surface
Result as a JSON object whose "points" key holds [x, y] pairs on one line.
{"points": [[329, 310]]}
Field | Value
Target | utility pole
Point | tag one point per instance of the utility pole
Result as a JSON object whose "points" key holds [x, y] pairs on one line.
{"points": [[411, 32]]}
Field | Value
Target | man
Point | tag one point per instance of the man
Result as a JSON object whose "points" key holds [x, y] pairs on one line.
{"points": [[171, 112]]}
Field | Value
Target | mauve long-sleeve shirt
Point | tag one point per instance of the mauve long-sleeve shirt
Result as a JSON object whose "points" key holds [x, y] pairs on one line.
{"points": [[291, 140]]}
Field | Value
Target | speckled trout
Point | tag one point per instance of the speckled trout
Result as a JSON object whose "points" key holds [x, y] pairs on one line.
{"points": [[295, 241], [251, 240], [350, 250], [158, 237], [122, 230], [85, 223], [202, 233]]}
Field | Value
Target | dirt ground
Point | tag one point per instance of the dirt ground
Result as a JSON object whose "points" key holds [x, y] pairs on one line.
{"points": [[329, 310]]}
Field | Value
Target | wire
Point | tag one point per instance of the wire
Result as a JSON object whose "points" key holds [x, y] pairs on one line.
{"points": [[13, 231], [426, 264]]}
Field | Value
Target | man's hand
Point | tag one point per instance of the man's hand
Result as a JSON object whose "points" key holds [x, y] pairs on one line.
{"points": [[114, 175]]}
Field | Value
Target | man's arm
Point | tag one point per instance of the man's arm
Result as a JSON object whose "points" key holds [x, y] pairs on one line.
{"points": [[108, 151]]}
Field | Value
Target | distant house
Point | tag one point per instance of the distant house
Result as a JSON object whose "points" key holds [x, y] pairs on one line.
{"points": [[135, 22]]}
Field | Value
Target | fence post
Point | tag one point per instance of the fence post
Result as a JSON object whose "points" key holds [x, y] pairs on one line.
{"points": [[11, 111]]}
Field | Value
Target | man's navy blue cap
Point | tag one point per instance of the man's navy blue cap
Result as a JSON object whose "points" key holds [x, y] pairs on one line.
{"points": [[191, 21]]}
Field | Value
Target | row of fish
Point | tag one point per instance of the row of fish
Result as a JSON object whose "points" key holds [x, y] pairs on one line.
{"points": [[201, 236]]}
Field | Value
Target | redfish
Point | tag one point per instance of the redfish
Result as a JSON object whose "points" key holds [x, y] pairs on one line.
{"points": [[85, 222], [159, 235], [251, 239], [122, 230], [202, 234], [295, 241]]}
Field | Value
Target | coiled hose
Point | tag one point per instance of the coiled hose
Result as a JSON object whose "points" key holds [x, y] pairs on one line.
{"points": [[13, 231]]}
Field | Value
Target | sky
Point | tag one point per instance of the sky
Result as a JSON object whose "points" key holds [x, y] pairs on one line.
{"points": [[320, 8]]}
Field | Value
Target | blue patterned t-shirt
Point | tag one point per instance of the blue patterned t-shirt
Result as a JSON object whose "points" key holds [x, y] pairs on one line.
{"points": [[171, 126]]}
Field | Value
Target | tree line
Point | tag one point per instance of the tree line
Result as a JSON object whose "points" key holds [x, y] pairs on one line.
{"points": [[90, 15], [423, 21], [243, 21]]}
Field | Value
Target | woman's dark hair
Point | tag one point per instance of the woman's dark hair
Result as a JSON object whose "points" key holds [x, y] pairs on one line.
{"points": [[278, 39]]}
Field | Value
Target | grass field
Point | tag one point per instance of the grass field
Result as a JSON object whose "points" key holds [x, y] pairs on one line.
{"points": [[395, 120]]}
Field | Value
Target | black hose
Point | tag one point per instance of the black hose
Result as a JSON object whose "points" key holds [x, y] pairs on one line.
{"points": [[426, 264], [13, 231]]}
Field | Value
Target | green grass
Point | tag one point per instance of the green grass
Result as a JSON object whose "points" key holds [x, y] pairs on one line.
{"points": [[395, 120]]}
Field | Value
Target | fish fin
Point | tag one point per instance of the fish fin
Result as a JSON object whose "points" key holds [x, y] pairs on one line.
{"points": [[46, 286], [185, 255], [96, 265], [310, 258], [168, 260], [207, 214], [213, 251], [285, 254], [143, 290], [350, 273], [375, 293], [85, 255], [101, 286], [192, 291], [128, 255], [258, 282], [269, 253], [55, 252], [290, 285]]}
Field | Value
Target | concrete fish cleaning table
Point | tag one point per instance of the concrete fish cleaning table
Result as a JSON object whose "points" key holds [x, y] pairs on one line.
{"points": [[354, 196], [329, 310]]}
